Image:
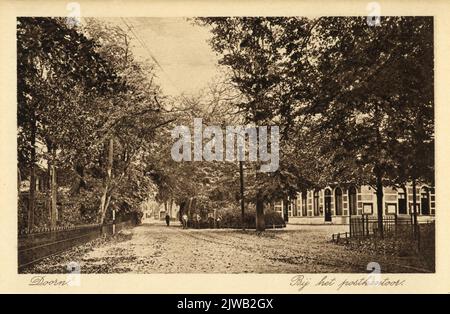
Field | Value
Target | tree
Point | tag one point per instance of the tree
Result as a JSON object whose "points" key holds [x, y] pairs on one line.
{"points": [[129, 123], [87, 106], [195, 187], [252, 48], [414, 154], [337, 77], [372, 79], [54, 60]]}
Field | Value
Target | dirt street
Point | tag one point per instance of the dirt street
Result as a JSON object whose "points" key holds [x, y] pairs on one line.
{"points": [[156, 248]]}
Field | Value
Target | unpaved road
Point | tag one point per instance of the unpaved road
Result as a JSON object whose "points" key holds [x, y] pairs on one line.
{"points": [[155, 248]]}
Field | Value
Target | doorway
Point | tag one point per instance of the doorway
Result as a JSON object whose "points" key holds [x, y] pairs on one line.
{"points": [[338, 201], [402, 205], [327, 205], [352, 194], [425, 201]]}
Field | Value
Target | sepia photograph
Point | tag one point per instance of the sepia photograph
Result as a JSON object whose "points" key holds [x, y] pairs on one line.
{"points": [[231, 144]]}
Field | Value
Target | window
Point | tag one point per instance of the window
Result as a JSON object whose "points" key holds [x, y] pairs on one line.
{"points": [[298, 205], [352, 200], [391, 208], [402, 203], [328, 200], [411, 208], [425, 201], [290, 206], [368, 208], [304, 203], [278, 206], [294, 207], [338, 201], [316, 203]]}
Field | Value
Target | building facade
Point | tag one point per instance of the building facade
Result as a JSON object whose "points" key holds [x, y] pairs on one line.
{"points": [[337, 203]]}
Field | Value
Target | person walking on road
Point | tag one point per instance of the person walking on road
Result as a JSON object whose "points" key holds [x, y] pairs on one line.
{"points": [[198, 220], [167, 220], [218, 221], [185, 221]]}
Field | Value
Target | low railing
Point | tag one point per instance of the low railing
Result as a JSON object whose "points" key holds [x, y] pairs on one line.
{"points": [[341, 236], [39, 230], [37, 245], [393, 225], [363, 226]]}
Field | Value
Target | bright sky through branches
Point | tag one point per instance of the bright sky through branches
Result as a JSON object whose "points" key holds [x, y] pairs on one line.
{"points": [[180, 48]]}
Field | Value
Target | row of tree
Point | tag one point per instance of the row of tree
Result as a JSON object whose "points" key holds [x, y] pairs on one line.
{"points": [[354, 101], [88, 113]]}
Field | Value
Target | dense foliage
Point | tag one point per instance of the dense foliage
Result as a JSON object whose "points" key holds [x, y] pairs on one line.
{"points": [[354, 102], [87, 115]]}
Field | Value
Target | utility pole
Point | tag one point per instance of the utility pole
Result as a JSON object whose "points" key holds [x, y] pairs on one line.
{"points": [[241, 175]]}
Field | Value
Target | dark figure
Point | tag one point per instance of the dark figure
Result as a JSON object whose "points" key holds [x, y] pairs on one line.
{"points": [[198, 221], [167, 220], [185, 221], [218, 221]]}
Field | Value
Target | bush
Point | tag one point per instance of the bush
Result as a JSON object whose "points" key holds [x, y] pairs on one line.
{"points": [[273, 218], [231, 218]]}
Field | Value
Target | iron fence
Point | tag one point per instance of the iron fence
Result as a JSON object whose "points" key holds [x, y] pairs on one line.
{"points": [[365, 225], [35, 246]]}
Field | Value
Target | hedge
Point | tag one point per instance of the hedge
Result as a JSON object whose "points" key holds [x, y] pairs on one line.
{"points": [[232, 219]]}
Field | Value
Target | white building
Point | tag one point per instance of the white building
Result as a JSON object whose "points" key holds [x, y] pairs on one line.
{"points": [[337, 203]]}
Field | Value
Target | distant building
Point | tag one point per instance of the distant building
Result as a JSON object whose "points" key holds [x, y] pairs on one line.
{"points": [[158, 210], [337, 203]]}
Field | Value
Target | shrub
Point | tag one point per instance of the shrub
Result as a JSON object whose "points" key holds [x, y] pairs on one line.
{"points": [[273, 218], [231, 218]]}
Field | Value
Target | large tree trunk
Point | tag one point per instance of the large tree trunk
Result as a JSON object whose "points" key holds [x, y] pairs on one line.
{"points": [[169, 208], [103, 205], [415, 228], [379, 187], [32, 196], [32, 192], [48, 188], [379, 173], [285, 212], [193, 207], [188, 211], [181, 211], [241, 181], [105, 197], [260, 222], [52, 185], [53, 191]]}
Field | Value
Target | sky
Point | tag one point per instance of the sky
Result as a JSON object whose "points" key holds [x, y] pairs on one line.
{"points": [[187, 63]]}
